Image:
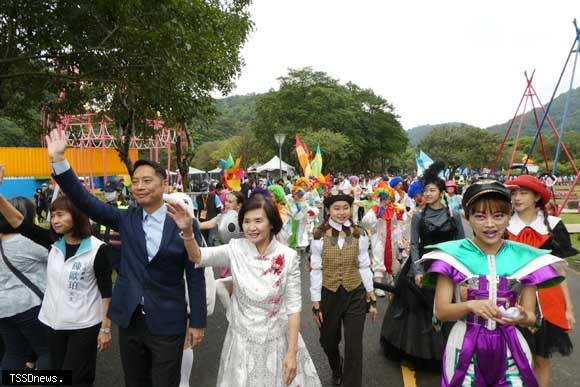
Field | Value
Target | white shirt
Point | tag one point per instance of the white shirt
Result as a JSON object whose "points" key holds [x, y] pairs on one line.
{"points": [[153, 229], [364, 261]]}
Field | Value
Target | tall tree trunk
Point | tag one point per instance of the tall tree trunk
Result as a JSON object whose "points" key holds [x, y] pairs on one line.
{"points": [[184, 153]]}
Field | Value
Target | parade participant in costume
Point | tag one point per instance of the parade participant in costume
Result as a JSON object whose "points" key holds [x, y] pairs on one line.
{"points": [[381, 221], [301, 214], [402, 229], [408, 334], [415, 192], [401, 196], [341, 287], [279, 197], [357, 211], [437, 222], [314, 200], [487, 285], [453, 198], [263, 346], [531, 224]]}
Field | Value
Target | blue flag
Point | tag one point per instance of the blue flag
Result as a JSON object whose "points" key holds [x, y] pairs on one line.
{"points": [[423, 162]]}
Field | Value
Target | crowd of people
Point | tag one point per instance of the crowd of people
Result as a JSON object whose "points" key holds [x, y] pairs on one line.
{"points": [[489, 308]]}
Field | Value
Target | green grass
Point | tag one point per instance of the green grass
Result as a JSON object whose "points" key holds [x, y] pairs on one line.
{"points": [[575, 241], [570, 218], [574, 261]]}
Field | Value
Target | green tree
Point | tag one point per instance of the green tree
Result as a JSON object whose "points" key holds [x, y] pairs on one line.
{"points": [[128, 59], [312, 99], [244, 145], [461, 146], [203, 156]]}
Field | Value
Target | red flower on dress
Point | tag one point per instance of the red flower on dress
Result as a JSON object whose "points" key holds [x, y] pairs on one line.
{"points": [[277, 265], [275, 300]]}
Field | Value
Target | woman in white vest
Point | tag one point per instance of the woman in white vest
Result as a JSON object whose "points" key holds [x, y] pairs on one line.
{"points": [[78, 292]]}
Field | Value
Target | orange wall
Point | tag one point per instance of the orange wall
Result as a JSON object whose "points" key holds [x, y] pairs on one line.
{"points": [[35, 162]]}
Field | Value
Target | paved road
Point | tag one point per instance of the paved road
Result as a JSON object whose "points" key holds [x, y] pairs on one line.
{"points": [[378, 370]]}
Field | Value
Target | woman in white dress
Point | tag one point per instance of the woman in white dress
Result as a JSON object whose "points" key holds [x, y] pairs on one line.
{"points": [[262, 346]]}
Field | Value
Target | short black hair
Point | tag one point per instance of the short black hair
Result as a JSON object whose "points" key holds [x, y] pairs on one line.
{"points": [[81, 225], [159, 170], [256, 202], [26, 207]]}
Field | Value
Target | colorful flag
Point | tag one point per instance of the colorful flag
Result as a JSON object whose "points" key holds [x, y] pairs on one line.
{"points": [[316, 164], [423, 162], [303, 156], [231, 173]]}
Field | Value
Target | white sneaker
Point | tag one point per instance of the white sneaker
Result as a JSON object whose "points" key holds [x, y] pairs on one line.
{"points": [[379, 292]]}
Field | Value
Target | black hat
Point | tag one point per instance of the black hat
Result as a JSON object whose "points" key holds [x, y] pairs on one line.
{"points": [[484, 187], [340, 193]]}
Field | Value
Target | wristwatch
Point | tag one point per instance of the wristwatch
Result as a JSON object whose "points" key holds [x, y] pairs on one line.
{"points": [[106, 330]]}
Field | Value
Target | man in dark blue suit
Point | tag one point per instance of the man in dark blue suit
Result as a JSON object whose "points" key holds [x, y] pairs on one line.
{"points": [[148, 302]]}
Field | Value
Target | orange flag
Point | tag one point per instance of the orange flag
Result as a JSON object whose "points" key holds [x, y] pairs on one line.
{"points": [[303, 156]]}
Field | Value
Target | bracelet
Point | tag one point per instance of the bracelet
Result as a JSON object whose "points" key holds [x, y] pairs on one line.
{"points": [[106, 330], [191, 238]]}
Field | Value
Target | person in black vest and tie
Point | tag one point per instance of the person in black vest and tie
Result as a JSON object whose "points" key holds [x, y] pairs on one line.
{"points": [[148, 302]]}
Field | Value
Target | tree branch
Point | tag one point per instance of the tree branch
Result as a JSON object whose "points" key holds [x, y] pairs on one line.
{"points": [[57, 76], [108, 36]]}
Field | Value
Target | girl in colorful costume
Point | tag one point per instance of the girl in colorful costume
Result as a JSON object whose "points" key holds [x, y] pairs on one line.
{"points": [[341, 287], [301, 214], [493, 284], [382, 221], [531, 224], [408, 334]]}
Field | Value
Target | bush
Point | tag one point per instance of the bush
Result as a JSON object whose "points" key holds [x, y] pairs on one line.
{"points": [[572, 204]]}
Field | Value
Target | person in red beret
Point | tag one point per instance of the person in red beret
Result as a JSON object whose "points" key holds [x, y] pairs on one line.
{"points": [[531, 224]]}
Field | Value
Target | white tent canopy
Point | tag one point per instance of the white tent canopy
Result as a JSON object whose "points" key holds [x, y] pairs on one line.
{"points": [[274, 165], [216, 170], [195, 171], [254, 167]]}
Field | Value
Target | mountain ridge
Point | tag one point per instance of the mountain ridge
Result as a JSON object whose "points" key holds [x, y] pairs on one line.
{"points": [[417, 133]]}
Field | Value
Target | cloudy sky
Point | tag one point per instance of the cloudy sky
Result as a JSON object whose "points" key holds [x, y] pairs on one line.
{"points": [[435, 61]]}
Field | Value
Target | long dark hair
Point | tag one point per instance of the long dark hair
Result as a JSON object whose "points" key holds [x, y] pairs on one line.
{"points": [[26, 207], [81, 225]]}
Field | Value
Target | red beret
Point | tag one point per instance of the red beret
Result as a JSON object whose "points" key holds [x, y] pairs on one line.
{"points": [[533, 184]]}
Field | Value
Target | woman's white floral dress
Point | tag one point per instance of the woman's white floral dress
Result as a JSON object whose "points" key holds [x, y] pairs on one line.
{"points": [[266, 291]]}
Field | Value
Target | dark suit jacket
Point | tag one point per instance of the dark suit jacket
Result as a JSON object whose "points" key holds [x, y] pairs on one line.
{"points": [[160, 281]]}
